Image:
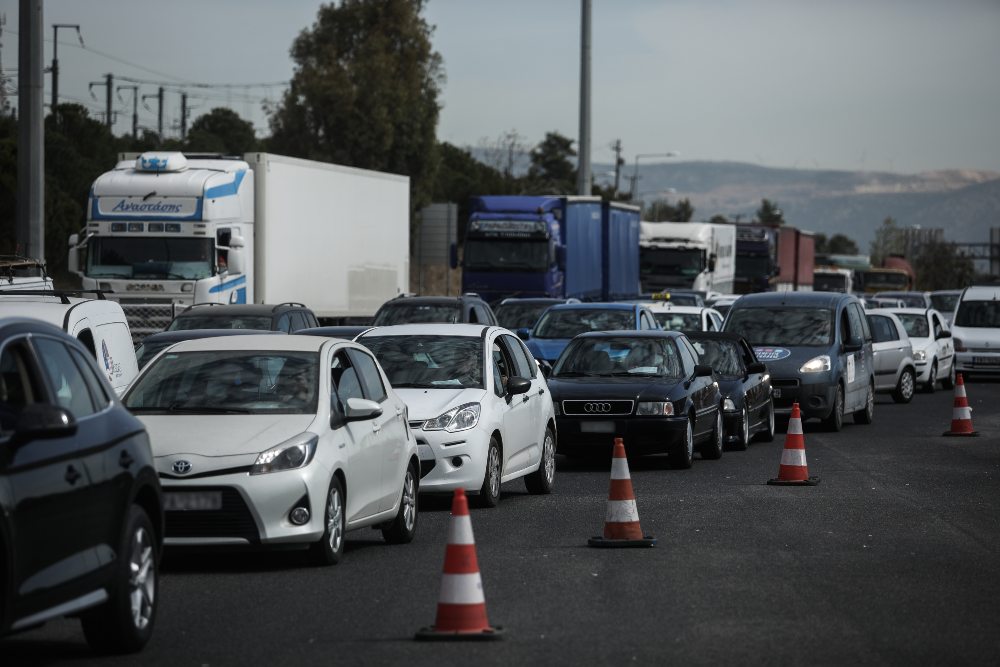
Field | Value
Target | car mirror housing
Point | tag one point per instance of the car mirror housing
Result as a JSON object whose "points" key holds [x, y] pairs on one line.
{"points": [[359, 409], [517, 385], [43, 420], [701, 370], [944, 334], [757, 367], [852, 347]]}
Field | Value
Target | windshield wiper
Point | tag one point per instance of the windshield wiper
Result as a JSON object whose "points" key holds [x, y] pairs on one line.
{"points": [[177, 407], [574, 374], [412, 385]]}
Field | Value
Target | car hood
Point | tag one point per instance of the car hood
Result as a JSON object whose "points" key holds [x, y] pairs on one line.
{"points": [[221, 435], [920, 343], [611, 387], [423, 404], [785, 360], [548, 349]]}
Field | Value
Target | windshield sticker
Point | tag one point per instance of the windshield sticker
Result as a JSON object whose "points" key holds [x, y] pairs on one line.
{"points": [[771, 353]]}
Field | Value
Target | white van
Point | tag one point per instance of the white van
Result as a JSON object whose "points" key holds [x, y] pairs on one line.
{"points": [[97, 323], [976, 331]]}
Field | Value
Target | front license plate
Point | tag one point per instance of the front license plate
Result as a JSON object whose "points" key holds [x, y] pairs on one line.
{"points": [[192, 501], [597, 427], [776, 392], [986, 361]]}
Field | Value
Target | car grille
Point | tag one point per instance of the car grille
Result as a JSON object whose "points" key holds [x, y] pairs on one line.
{"points": [[597, 408], [776, 382], [233, 520]]}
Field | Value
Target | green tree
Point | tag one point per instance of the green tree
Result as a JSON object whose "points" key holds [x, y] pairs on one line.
{"points": [[552, 171], [661, 210], [939, 265], [838, 244], [364, 92], [221, 130], [888, 241], [719, 219], [770, 213]]}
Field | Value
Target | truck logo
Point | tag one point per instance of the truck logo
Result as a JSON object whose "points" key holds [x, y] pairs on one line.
{"points": [[144, 287], [126, 206], [771, 353]]}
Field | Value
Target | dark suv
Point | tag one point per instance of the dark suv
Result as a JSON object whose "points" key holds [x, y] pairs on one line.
{"points": [[405, 309], [287, 317], [81, 521]]}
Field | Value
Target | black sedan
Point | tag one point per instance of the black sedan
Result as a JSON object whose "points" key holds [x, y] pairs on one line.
{"points": [[747, 408], [643, 386]]}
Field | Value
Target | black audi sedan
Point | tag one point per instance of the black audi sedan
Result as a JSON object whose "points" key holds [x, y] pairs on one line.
{"points": [[646, 387], [745, 385]]}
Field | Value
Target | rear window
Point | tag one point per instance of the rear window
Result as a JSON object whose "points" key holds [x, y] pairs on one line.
{"points": [[573, 321], [408, 313], [782, 326], [220, 322], [984, 314]]}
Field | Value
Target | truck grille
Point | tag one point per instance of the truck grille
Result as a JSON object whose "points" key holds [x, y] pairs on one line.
{"points": [[233, 520], [597, 408], [147, 318]]}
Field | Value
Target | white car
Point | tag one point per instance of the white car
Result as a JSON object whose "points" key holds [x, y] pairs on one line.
{"points": [[481, 410], [685, 318], [895, 371], [933, 349], [976, 331], [277, 440]]}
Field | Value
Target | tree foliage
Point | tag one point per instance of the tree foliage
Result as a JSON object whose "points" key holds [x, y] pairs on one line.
{"points": [[770, 213], [939, 265], [838, 244], [365, 92], [221, 130], [552, 171], [889, 240], [661, 210]]}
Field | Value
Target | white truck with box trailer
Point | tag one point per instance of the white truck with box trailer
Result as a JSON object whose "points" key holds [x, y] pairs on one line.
{"points": [[167, 230], [698, 256]]}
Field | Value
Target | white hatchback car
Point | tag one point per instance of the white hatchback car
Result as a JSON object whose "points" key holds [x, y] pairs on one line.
{"points": [[895, 371], [685, 318], [481, 410], [933, 349], [277, 440], [976, 331]]}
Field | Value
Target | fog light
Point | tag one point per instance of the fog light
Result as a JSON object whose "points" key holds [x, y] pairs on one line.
{"points": [[299, 516], [187, 287], [457, 461]]}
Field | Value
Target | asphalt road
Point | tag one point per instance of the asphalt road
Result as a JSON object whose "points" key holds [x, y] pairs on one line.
{"points": [[891, 560]]}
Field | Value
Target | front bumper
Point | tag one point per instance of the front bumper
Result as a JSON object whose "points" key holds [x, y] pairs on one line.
{"points": [[642, 435], [981, 362], [814, 392], [450, 461]]}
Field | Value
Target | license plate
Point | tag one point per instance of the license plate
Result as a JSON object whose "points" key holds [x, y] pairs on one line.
{"points": [[776, 392], [597, 427], [192, 501], [986, 361]]}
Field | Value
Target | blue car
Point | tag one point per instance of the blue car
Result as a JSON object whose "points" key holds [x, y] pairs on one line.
{"points": [[560, 323]]}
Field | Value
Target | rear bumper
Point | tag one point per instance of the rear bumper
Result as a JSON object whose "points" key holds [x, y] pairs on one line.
{"points": [[642, 435]]}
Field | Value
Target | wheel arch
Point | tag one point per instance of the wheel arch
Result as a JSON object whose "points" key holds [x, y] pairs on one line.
{"points": [[150, 501]]}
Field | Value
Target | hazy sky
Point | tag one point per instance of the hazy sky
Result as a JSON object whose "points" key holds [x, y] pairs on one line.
{"points": [[898, 85]]}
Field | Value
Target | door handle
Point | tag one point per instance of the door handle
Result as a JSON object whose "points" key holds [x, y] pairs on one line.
{"points": [[125, 460], [72, 475], [541, 391], [524, 399], [376, 428]]}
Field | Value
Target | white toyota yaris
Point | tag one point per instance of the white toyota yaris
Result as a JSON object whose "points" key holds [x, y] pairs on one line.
{"points": [[277, 440], [481, 410]]}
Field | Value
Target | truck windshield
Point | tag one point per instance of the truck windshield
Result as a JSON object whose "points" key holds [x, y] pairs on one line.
{"points": [[150, 257], [506, 255], [753, 266], [782, 326], [877, 281], [678, 266], [829, 282]]}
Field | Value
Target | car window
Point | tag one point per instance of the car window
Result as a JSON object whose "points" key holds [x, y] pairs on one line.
{"points": [[671, 321], [346, 381], [284, 323], [18, 387], [298, 320], [978, 314], [406, 313], [915, 324], [782, 325], [532, 364], [429, 361], [883, 329], [71, 390], [503, 365], [187, 322], [371, 379], [566, 323], [97, 388], [722, 355], [522, 367], [624, 356], [689, 357], [936, 325], [855, 321]]}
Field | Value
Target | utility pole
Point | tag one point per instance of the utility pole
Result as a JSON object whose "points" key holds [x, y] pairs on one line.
{"points": [[55, 60], [619, 161], [583, 171], [184, 115], [135, 107], [109, 84], [159, 111], [30, 240]]}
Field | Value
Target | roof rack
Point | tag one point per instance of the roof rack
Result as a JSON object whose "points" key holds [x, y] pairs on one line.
{"points": [[62, 294], [204, 303], [289, 303]]}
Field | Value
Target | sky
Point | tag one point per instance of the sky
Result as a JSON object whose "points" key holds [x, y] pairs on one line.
{"points": [[879, 85]]}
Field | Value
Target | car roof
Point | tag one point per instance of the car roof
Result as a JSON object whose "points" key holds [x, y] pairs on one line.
{"points": [[594, 305], [430, 329], [52, 309], [794, 299], [981, 293], [229, 309], [191, 334], [631, 333], [261, 341]]}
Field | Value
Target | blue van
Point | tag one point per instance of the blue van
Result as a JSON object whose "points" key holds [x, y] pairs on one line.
{"points": [[818, 350]]}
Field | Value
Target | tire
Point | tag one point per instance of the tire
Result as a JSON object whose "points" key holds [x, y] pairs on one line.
{"points": [[903, 393], [929, 386], [835, 421], [489, 494], [768, 435], [949, 382], [681, 455], [866, 414], [712, 449], [403, 528], [125, 622], [744, 435], [540, 482], [330, 548]]}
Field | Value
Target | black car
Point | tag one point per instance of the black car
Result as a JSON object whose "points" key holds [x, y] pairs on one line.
{"points": [[646, 387], [407, 309], [287, 317], [81, 521], [153, 344], [745, 385], [522, 313]]}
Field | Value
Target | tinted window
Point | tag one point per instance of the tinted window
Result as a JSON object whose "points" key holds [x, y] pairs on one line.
{"points": [[97, 390], [623, 356], [519, 315], [782, 326], [16, 386], [557, 323], [262, 323], [978, 314], [71, 390], [429, 361], [516, 352], [722, 355], [370, 377], [284, 323], [944, 302], [883, 329], [298, 321], [405, 313]]}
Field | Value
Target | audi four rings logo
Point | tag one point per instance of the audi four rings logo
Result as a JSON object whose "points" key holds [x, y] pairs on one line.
{"points": [[182, 467], [597, 407]]}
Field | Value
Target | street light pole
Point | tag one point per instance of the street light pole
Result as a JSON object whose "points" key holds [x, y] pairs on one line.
{"points": [[583, 170], [634, 188], [55, 59]]}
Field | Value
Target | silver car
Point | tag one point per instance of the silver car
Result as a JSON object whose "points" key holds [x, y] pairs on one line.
{"points": [[895, 371]]}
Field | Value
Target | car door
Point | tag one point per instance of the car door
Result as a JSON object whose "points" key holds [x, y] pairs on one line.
{"points": [[364, 458], [886, 350], [534, 402], [701, 388], [757, 396], [518, 426], [859, 361], [946, 347]]}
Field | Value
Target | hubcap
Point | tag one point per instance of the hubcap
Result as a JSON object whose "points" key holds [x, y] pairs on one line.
{"points": [[334, 520], [549, 458], [907, 385], [409, 501], [746, 425], [142, 579], [494, 471]]}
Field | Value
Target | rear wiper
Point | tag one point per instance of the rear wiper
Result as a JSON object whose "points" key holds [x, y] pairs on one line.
{"points": [[177, 407]]}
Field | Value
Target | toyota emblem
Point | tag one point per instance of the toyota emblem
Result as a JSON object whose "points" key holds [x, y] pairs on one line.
{"points": [[597, 407], [182, 467]]}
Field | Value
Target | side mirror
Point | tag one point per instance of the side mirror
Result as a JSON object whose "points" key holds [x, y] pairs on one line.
{"points": [[561, 257], [757, 367], [236, 259], [852, 347], [944, 334], [359, 409], [524, 333], [73, 260], [517, 385], [701, 371], [43, 420]]}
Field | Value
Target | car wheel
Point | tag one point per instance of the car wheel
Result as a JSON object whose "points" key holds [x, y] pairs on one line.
{"points": [[713, 448], [682, 454], [403, 528], [929, 386], [949, 382], [489, 494], [867, 413], [768, 435], [835, 420], [540, 481], [744, 435], [330, 548], [905, 386], [124, 623]]}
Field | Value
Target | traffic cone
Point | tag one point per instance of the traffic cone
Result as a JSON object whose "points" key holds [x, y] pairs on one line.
{"points": [[621, 521], [793, 470], [461, 612], [961, 413]]}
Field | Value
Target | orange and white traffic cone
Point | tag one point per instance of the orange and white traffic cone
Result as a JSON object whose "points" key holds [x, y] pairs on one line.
{"points": [[793, 470], [621, 521], [961, 413], [461, 612]]}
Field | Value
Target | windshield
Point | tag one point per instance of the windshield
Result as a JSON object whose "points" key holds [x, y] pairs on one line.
{"points": [[722, 355], [572, 321], [782, 326], [671, 262], [753, 267], [150, 257], [429, 362], [876, 281], [916, 325], [223, 382], [829, 282], [978, 314], [944, 302], [506, 255], [678, 321], [515, 316], [408, 313], [625, 356], [261, 322], [149, 349]]}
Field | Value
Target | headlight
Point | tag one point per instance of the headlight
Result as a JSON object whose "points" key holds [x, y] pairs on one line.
{"points": [[816, 364], [728, 405], [461, 418], [920, 355], [294, 453], [655, 408]]}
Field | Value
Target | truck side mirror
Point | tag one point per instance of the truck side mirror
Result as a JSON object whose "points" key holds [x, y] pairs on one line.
{"points": [[235, 258], [561, 257], [453, 255], [711, 262], [73, 261]]}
